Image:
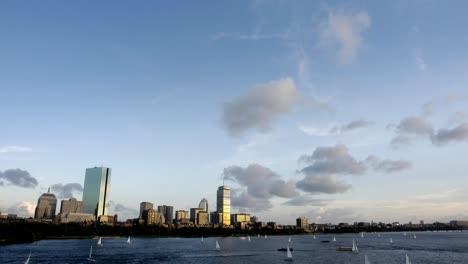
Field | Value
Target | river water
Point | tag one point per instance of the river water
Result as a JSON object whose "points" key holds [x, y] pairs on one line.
{"points": [[427, 248]]}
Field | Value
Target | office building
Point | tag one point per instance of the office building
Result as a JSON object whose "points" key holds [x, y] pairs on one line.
{"points": [[240, 218], [75, 218], [168, 212], [46, 206], [96, 191], [194, 214], [71, 206], [151, 217], [182, 217], [202, 218], [302, 222], [223, 205], [203, 205], [145, 206]]}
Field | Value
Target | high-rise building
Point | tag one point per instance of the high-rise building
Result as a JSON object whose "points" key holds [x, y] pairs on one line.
{"points": [[194, 214], [150, 216], [240, 218], [168, 212], [302, 222], [223, 205], [71, 206], [202, 218], [145, 206], [46, 206], [203, 205], [96, 191], [182, 216]]}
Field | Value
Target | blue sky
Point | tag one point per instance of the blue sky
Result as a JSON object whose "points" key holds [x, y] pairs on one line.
{"points": [[338, 111]]}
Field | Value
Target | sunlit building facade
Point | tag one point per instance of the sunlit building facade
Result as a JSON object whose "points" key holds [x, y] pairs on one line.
{"points": [[223, 205], [46, 206], [145, 206], [96, 191], [71, 206], [168, 212]]}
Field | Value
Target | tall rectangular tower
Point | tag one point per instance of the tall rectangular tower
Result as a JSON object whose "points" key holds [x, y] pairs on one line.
{"points": [[223, 205], [96, 191]]}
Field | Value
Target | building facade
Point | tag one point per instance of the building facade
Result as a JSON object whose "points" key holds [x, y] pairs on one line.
{"points": [[202, 218], [151, 217], [46, 206], [182, 216], [194, 214], [96, 191], [302, 222], [145, 206], [223, 205], [168, 212], [71, 206]]}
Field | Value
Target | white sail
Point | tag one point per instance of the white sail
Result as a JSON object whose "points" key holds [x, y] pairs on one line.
{"points": [[266, 236], [27, 260], [378, 235], [315, 237], [391, 241], [202, 239], [404, 233], [248, 238], [414, 236], [355, 248], [362, 235], [90, 258], [99, 242], [217, 245], [288, 253], [258, 235], [289, 240], [366, 260], [334, 238], [128, 240], [407, 260]]}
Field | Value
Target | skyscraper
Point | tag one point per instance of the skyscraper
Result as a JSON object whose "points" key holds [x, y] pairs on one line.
{"points": [[203, 205], [223, 205], [46, 206], [71, 206], [145, 206], [96, 191], [168, 212]]}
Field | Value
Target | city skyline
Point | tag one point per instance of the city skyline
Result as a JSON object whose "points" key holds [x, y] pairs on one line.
{"points": [[338, 111]]}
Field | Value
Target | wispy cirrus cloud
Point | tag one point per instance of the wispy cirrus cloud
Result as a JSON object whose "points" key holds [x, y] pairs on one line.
{"points": [[13, 149]]}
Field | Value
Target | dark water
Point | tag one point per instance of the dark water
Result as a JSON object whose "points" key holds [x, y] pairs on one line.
{"points": [[427, 248]]}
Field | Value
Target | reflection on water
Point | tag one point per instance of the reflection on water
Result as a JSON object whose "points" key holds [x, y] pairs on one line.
{"points": [[427, 248]]}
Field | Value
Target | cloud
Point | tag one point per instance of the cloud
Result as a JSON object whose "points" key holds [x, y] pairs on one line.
{"points": [[446, 135], [18, 177], [256, 109], [328, 184], [335, 215], [11, 149], [355, 124], [345, 30], [331, 160], [259, 184], [246, 36], [388, 166], [305, 201], [65, 191], [23, 209], [122, 211]]}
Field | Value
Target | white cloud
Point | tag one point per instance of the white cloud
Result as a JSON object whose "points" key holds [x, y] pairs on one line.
{"points": [[11, 149], [345, 31], [23, 209]]}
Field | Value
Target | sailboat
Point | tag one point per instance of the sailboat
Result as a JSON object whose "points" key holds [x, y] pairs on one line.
{"points": [[217, 245], [404, 233], [258, 235], [128, 240], [99, 242], [366, 260], [248, 238], [90, 258], [355, 248], [378, 235], [315, 237], [266, 236], [289, 240], [362, 235], [391, 241], [27, 260], [202, 240], [408, 261], [334, 239], [289, 256], [414, 236]]}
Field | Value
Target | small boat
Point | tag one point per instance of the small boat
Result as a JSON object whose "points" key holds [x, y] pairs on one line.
{"points": [[362, 235], [128, 240], [391, 241], [27, 260], [414, 236], [325, 241], [248, 238], [289, 240], [99, 242], [404, 233], [202, 240], [90, 258], [258, 235], [289, 256], [334, 239], [285, 249], [408, 261], [315, 237], [217, 245], [366, 260], [266, 236], [355, 248], [344, 249]]}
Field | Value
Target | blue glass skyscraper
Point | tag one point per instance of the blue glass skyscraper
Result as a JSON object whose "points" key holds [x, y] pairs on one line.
{"points": [[96, 191]]}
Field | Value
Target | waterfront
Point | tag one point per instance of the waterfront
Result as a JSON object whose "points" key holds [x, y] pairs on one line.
{"points": [[427, 248]]}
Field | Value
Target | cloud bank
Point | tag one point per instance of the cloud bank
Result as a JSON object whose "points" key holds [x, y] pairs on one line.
{"points": [[65, 191], [18, 177]]}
